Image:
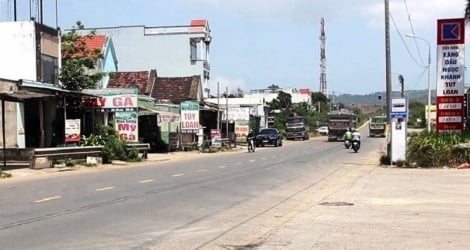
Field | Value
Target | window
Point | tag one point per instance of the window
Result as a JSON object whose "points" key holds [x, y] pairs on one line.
{"points": [[197, 47], [49, 69]]}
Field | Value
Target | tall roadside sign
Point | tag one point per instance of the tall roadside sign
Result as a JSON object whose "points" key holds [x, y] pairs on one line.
{"points": [[450, 75]]}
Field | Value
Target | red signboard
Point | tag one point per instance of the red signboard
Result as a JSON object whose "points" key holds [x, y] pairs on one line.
{"points": [[450, 113]]}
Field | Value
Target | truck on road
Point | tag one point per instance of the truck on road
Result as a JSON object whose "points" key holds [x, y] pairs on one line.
{"points": [[339, 121], [377, 126], [297, 128]]}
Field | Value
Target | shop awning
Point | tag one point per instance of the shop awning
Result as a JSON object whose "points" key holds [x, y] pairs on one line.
{"points": [[22, 95], [165, 116]]}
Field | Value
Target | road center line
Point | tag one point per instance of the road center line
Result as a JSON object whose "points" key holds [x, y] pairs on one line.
{"points": [[104, 189], [145, 181], [222, 166], [48, 199], [202, 170], [252, 160], [263, 158], [176, 175]]}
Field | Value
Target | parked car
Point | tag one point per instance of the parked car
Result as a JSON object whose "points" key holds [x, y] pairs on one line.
{"points": [[323, 130], [268, 136]]}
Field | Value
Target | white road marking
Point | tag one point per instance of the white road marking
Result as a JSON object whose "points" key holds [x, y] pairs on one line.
{"points": [[238, 163], [222, 166], [104, 189], [263, 158], [202, 170], [252, 160], [48, 199], [176, 175], [145, 181]]}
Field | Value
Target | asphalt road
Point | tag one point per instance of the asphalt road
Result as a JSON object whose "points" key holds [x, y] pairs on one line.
{"points": [[187, 204]]}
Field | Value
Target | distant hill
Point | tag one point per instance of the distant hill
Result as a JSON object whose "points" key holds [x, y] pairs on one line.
{"points": [[373, 98]]}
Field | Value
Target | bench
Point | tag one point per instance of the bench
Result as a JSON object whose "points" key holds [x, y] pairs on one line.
{"points": [[143, 148], [51, 154]]}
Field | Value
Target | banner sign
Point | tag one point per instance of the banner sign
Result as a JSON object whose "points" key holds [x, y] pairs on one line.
{"points": [[216, 137], [241, 117], [189, 117], [72, 130], [237, 114], [450, 75], [127, 126], [399, 108], [111, 100]]}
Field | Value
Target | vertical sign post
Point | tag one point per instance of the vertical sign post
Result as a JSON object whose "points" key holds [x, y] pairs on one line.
{"points": [[450, 75], [399, 118], [190, 117]]}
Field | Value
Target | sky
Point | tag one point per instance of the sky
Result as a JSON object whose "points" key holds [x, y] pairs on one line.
{"points": [[257, 43]]}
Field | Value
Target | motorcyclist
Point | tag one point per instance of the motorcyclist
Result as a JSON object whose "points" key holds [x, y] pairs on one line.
{"points": [[348, 135], [356, 136]]}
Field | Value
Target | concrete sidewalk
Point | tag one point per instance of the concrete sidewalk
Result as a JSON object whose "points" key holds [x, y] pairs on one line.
{"points": [[152, 158], [369, 206]]}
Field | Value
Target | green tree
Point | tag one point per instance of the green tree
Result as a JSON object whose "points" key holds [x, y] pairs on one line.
{"points": [[78, 61], [416, 113], [273, 87], [318, 97], [300, 109]]}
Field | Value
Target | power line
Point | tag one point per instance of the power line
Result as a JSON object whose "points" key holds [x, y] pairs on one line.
{"points": [[404, 43], [413, 32], [417, 79]]}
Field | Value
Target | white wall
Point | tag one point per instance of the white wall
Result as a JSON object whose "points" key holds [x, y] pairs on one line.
{"points": [[17, 50]]}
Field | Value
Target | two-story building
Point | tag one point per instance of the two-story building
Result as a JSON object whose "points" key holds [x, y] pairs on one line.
{"points": [[174, 51], [29, 68]]}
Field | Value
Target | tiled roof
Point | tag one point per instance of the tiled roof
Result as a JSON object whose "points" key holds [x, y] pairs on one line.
{"points": [[96, 42], [172, 89], [176, 89], [139, 79], [199, 22], [305, 91], [92, 44]]}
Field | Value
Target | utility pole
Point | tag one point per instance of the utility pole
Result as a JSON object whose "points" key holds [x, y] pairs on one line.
{"points": [[323, 84], [388, 67], [388, 73], [226, 111], [218, 107]]}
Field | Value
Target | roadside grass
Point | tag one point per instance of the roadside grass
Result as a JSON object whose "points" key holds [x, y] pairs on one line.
{"points": [[4, 175], [432, 150]]}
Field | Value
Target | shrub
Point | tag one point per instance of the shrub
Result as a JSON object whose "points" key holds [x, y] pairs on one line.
{"points": [[69, 162], [113, 147], [429, 150]]}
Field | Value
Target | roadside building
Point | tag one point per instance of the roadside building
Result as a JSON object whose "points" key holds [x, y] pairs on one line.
{"points": [[256, 101], [29, 67], [175, 51], [163, 102]]}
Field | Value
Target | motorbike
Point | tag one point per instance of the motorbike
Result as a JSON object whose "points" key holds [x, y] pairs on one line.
{"points": [[356, 144], [347, 144], [251, 145]]}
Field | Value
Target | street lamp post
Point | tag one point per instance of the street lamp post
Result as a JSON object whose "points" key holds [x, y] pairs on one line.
{"points": [[429, 78]]}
